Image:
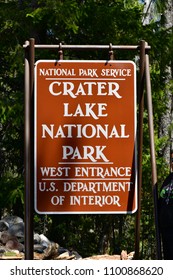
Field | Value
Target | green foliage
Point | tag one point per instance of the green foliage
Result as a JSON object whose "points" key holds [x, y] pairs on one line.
{"points": [[12, 195], [80, 22]]}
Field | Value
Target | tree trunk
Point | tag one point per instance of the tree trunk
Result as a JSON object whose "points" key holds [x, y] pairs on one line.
{"points": [[167, 117]]}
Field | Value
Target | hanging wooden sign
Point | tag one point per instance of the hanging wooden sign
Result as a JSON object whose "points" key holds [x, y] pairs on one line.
{"points": [[85, 137]]}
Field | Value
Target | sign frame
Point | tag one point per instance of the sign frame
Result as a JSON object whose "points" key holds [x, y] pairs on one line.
{"points": [[144, 79]]}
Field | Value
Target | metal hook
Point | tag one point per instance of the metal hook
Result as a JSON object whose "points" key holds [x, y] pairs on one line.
{"points": [[60, 52], [111, 53]]}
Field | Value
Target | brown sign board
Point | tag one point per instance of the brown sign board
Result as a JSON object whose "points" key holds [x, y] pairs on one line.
{"points": [[85, 137]]}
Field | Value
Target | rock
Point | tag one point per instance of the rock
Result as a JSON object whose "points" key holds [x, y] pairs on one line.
{"points": [[17, 229], [123, 255], [51, 252], [39, 248], [13, 244], [11, 220], [2, 250], [65, 256], [5, 236], [44, 240], [62, 250], [37, 238], [10, 241], [131, 255], [76, 255], [38, 256], [3, 225]]}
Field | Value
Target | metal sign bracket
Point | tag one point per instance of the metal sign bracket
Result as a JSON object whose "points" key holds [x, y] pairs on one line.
{"points": [[144, 78]]}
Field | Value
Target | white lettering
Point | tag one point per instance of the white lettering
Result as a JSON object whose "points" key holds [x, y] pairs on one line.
{"points": [[87, 131], [68, 88], [95, 200], [89, 152]]}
